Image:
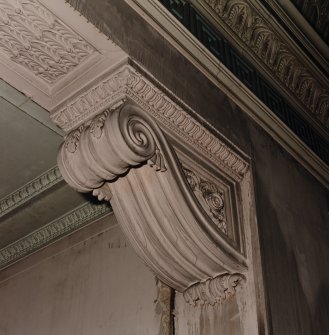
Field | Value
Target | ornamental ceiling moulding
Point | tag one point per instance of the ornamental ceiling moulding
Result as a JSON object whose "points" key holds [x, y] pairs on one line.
{"points": [[54, 230], [27, 192], [252, 28], [298, 28], [127, 83], [41, 53]]}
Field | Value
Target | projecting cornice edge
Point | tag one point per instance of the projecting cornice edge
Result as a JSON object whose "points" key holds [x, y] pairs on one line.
{"points": [[173, 31], [251, 28], [127, 83]]}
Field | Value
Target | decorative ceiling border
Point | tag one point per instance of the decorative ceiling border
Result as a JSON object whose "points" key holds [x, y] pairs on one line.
{"points": [[54, 230], [297, 27], [35, 39], [30, 190], [254, 31], [47, 50], [146, 91], [157, 16], [250, 76]]}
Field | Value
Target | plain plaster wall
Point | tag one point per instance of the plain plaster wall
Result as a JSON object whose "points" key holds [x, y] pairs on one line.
{"points": [[95, 287], [219, 319], [292, 207]]}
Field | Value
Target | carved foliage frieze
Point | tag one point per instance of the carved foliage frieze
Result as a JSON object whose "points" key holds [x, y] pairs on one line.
{"points": [[214, 290], [31, 36], [276, 54]]}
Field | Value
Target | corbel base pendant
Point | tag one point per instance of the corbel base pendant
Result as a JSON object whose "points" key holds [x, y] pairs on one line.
{"points": [[175, 219]]}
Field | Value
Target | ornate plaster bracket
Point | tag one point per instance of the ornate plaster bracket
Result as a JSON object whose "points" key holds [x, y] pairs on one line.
{"points": [[124, 156]]}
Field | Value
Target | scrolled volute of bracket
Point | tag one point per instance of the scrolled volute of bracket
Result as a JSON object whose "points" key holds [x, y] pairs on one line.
{"points": [[107, 147], [174, 234]]}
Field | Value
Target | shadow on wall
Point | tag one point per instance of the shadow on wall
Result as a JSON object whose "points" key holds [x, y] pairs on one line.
{"points": [[288, 306], [321, 316]]}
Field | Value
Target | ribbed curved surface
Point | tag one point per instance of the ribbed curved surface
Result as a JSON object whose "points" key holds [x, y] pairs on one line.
{"points": [[153, 202]]}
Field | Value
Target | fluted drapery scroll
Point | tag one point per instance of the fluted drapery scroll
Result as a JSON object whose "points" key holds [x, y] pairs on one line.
{"points": [[124, 156]]}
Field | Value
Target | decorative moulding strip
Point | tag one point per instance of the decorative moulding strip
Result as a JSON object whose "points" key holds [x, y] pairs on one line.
{"points": [[38, 185], [60, 227], [161, 20], [108, 93], [252, 28], [302, 29], [232, 55], [128, 83]]}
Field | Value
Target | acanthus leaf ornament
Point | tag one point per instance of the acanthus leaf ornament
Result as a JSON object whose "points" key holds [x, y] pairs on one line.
{"points": [[72, 140], [215, 290], [213, 198]]}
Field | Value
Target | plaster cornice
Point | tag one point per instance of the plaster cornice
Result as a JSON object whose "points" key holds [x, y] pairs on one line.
{"points": [[303, 31], [129, 84], [27, 192], [54, 230], [167, 25], [249, 26]]}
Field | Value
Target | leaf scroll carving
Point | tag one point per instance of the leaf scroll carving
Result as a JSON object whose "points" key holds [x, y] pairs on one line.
{"points": [[255, 32], [34, 38], [215, 290], [213, 198]]}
